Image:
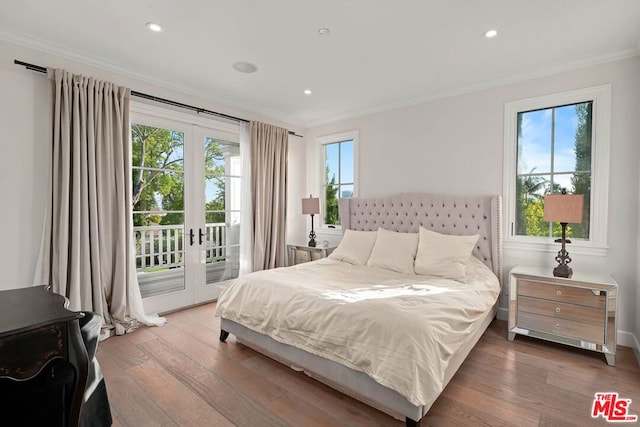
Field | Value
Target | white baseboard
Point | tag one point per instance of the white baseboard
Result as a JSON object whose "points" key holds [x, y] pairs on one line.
{"points": [[628, 339], [624, 338]]}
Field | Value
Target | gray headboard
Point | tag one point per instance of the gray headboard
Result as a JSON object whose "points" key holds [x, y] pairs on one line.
{"points": [[447, 214]]}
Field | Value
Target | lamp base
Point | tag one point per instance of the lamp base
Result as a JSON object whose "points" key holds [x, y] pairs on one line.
{"points": [[563, 258], [563, 270], [312, 235]]}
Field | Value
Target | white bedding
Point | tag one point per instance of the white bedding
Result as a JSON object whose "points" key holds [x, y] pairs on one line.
{"points": [[400, 329]]}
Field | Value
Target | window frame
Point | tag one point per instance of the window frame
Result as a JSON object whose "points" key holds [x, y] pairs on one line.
{"points": [[600, 142], [322, 141]]}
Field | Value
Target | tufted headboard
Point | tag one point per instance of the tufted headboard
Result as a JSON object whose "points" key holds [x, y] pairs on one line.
{"points": [[447, 214]]}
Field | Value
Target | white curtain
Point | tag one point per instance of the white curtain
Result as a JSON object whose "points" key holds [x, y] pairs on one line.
{"points": [[269, 145], [87, 251], [246, 223]]}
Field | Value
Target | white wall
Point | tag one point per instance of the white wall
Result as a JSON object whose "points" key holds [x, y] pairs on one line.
{"points": [[637, 281], [296, 174], [25, 142], [25, 158], [455, 145]]}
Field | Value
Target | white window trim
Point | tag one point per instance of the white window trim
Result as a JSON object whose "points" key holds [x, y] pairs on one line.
{"points": [[321, 142], [601, 124]]}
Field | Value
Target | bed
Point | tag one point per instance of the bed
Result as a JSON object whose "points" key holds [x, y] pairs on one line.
{"points": [[360, 328]]}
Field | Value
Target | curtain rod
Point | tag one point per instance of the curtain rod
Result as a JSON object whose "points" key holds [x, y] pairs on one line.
{"points": [[43, 70]]}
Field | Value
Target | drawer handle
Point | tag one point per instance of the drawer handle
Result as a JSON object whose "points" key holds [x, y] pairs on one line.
{"points": [[557, 309], [558, 293], [557, 325]]}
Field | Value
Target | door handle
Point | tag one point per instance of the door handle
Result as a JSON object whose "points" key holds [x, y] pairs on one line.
{"points": [[201, 235], [191, 236]]}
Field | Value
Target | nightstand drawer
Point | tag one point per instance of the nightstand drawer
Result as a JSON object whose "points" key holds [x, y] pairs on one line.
{"points": [[560, 310], [567, 328], [573, 295]]}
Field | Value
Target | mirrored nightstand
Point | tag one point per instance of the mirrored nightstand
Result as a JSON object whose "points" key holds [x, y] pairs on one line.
{"points": [[578, 311], [302, 253]]}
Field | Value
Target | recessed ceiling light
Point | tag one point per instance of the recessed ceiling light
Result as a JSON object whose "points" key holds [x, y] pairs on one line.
{"points": [[491, 34], [153, 26], [244, 67], [323, 31], [308, 91]]}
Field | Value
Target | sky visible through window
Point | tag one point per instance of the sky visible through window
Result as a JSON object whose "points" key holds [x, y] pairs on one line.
{"points": [[535, 144], [339, 163]]}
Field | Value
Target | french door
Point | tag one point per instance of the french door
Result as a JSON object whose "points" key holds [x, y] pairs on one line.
{"points": [[186, 177]]}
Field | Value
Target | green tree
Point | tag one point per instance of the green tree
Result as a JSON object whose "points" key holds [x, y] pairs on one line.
{"points": [[581, 181], [158, 184], [331, 199], [529, 191], [535, 225], [217, 204], [215, 172], [155, 151]]}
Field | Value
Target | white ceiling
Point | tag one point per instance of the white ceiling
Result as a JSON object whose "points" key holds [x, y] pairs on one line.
{"points": [[379, 55]]}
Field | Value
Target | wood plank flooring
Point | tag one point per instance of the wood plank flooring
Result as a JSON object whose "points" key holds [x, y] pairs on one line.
{"points": [[181, 375]]}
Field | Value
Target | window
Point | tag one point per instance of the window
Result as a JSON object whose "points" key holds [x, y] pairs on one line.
{"points": [[553, 143], [338, 173], [554, 153]]}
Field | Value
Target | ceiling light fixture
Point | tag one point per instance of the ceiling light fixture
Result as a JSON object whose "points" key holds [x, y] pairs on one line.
{"points": [[323, 31], [153, 26], [244, 67], [491, 34], [308, 91]]}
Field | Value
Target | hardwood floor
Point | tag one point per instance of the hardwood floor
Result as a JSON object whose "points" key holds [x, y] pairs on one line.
{"points": [[181, 375]]}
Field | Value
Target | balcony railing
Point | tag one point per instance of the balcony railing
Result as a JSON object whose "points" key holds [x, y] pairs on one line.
{"points": [[161, 247]]}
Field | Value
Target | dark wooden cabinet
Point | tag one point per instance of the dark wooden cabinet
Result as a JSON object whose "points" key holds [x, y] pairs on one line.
{"points": [[40, 338]]}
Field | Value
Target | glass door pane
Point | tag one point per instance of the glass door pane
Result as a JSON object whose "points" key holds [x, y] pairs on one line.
{"points": [[222, 174], [159, 208]]}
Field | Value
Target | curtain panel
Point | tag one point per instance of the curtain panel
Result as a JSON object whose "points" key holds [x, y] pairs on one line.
{"points": [[269, 145], [87, 252]]}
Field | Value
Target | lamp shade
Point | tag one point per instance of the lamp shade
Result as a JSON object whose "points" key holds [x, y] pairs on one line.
{"points": [[563, 208], [311, 206]]}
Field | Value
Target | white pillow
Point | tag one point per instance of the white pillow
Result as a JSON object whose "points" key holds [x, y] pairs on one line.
{"points": [[444, 255], [355, 247], [394, 251]]}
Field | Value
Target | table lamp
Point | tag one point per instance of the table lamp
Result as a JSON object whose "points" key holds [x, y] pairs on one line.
{"points": [[565, 209], [311, 206]]}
